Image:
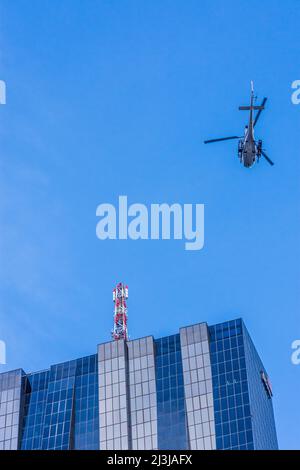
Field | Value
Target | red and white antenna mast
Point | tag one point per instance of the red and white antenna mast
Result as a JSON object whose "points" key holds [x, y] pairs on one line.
{"points": [[120, 295]]}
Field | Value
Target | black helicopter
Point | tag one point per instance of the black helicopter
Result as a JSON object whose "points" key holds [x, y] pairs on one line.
{"points": [[249, 150]]}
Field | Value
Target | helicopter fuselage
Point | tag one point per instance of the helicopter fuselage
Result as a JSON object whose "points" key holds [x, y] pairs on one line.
{"points": [[249, 150], [247, 147]]}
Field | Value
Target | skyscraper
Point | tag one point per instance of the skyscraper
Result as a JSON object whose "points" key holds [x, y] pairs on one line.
{"points": [[202, 388]]}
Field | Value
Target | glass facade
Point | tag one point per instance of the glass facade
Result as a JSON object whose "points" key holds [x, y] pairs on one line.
{"points": [[61, 407], [36, 386], [10, 405], [204, 388], [230, 387], [143, 394], [263, 423], [86, 403], [198, 386], [171, 411], [113, 396]]}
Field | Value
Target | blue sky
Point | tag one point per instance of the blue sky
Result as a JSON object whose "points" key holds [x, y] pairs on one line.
{"points": [[106, 98]]}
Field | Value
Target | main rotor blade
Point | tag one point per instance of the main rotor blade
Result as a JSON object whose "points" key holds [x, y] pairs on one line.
{"points": [[267, 158], [259, 112], [223, 138]]}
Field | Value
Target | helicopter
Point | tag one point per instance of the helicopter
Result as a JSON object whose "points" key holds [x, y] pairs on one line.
{"points": [[249, 150]]}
